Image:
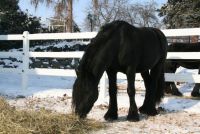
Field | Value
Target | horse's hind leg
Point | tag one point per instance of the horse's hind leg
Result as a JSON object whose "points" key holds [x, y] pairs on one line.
{"points": [[175, 90], [146, 77], [133, 111], [111, 114], [146, 108], [196, 89], [153, 91], [170, 87]]}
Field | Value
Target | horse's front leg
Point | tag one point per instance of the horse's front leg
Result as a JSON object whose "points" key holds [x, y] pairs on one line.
{"points": [[111, 114], [133, 111]]}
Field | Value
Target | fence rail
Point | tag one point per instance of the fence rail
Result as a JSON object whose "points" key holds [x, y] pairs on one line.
{"points": [[56, 54], [26, 54]]}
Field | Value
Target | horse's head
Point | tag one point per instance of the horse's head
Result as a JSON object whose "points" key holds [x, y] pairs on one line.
{"points": [[84, 95]]}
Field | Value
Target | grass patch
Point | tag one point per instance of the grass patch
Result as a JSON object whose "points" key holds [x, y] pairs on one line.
{"points": [[13, 121]]}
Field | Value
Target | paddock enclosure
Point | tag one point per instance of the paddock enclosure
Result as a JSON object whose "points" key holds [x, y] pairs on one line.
{"points": [[26, 54]]}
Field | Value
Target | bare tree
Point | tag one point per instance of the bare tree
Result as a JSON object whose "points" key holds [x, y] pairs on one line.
{"points": [[103, 11], [144, 14], [136, 14]]}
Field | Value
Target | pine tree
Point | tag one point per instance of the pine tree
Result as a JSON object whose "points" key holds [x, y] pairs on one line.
{"points": [[14, 21], [181, 13]]}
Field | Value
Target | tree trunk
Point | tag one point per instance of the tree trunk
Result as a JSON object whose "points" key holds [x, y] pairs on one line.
{"points": [[69, 16]]}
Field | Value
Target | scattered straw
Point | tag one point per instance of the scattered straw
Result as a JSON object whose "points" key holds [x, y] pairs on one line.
{"points": [[14, 121]]}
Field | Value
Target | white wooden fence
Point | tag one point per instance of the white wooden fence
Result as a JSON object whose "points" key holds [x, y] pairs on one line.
{"points": [[26, 54]]}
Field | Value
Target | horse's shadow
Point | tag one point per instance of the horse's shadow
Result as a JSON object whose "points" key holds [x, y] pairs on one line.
{"points": [[124, 119]]}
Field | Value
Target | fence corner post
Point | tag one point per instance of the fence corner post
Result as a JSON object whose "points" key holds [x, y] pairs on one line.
{"points": [[25, 60]]}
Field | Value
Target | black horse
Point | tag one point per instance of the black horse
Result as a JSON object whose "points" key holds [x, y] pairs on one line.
{"points": [[122, 47], [171, 66]]}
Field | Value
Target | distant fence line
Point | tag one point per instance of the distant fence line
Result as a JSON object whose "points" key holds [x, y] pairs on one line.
{"points": [[26, 54]]}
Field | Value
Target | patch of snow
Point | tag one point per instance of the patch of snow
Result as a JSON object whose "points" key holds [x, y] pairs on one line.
{"points": [[50, 86]]}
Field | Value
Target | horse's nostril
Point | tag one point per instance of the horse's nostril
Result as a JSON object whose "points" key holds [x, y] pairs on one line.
{"points": [[82, 116]]}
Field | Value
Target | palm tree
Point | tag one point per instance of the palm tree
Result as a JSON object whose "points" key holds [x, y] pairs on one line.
{"points": [[70, 15], [60, 6], [95, 4]]}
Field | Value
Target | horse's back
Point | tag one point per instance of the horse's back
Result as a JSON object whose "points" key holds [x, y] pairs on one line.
{"points": [[142, 47], [119, 44]]}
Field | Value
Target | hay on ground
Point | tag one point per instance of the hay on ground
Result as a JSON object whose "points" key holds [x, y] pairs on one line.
{"points": [[13, 121]]}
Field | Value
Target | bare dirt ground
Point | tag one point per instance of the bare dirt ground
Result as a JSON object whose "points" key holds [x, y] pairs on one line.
{"points": [[167, 122]]}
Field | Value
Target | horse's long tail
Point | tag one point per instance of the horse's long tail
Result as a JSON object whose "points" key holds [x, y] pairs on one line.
{"points": [[161, 80]]}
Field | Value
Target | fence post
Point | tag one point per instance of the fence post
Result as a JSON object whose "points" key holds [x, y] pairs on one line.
{"points": [[25, 60], [102, 91]]}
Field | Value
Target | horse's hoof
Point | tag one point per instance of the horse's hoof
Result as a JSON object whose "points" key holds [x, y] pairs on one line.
{"points": [[148, 111], [195, 94], [168, 90], [82, 116], [143, 110], [133, 118], [177, 93], [110, 116]]}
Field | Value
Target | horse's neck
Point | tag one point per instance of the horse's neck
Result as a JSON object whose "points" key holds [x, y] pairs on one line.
{"points": [[91, 71], [94, 67], [97, 74]]}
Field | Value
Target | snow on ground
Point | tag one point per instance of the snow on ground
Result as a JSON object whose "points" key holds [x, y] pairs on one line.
{"points": [[51, 86], [180, 115], [10, 85]]}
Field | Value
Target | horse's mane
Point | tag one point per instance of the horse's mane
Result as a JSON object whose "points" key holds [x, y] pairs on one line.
{"points": [[184, 47], [96, 44]]}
